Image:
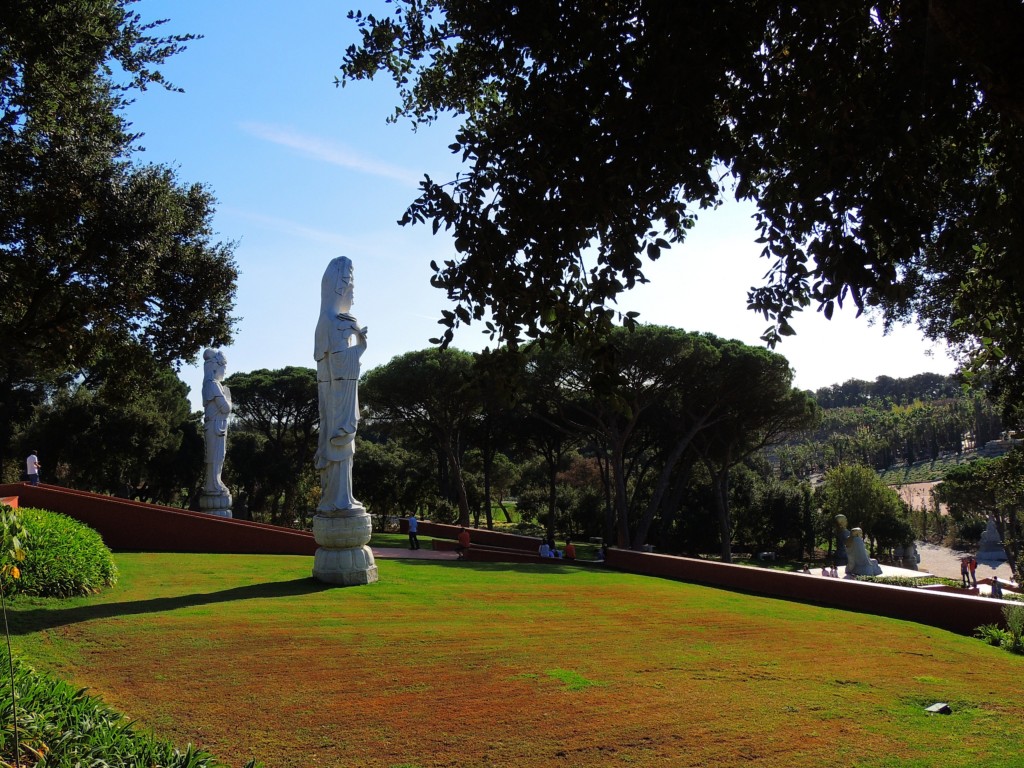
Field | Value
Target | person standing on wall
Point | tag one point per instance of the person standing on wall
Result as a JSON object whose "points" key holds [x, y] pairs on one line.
{"points": [[32, 467]]}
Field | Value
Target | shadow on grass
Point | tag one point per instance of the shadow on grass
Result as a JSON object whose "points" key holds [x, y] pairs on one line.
{"points": [[26, 621]]}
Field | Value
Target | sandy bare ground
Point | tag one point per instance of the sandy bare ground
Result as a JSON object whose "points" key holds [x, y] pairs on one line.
{"points": [[918, 495]]}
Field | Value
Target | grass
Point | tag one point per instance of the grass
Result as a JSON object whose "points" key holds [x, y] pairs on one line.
{"points": [[467, 664], [923, 471]]}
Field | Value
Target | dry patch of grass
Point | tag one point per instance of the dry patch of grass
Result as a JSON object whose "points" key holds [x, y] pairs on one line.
{"points": [[465, 664]]}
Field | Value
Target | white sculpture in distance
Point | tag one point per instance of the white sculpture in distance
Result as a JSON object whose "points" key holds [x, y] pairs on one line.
{"points": [[990, 548], [215, 497], [859, 563], [341, 525]]}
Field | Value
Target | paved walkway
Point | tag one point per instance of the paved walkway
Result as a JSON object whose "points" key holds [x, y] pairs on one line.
{"points": [[943, 561], [413, 554]]}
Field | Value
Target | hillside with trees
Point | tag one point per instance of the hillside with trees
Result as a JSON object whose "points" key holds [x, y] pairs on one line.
{"points": [[892, 423]]}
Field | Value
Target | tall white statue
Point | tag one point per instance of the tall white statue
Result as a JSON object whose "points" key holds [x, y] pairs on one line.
{"points": [[215, 496], [341, 525], [340, 342]]}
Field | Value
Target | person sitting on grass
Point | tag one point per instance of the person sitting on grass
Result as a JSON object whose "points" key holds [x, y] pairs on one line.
{"points": [[570, 549], [544, 550], [463, 545]]}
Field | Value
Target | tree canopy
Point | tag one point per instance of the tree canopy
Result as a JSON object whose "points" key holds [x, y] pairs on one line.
{"points": [[881, 143], [99, 254]]}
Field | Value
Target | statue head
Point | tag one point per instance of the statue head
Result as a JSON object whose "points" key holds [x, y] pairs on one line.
{"points": [[841, 521], [857, 533], [337, 289], [214, 363]]}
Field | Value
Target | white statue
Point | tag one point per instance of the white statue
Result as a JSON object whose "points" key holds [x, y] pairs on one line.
{"points": [[341, 525], [216, 409], [340, 342], [860, 564]]}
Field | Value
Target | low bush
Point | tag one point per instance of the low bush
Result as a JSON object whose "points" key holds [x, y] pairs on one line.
{"points": [[58, 725], [1014, 615], [992, 634], [1011, 638], [63, 557], [911, 581]]}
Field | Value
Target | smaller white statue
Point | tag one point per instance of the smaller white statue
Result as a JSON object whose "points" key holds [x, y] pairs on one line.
{"points": [[216, 410], [860, 564]]}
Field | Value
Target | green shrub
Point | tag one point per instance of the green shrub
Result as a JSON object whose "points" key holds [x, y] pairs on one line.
{"points": [[992, 634], [61, 726], [1011, 638], [1014, 615], [910, 581], [63, 557]]}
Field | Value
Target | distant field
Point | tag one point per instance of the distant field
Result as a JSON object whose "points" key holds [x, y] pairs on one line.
{"points": [[924, 471], [466, 664]]}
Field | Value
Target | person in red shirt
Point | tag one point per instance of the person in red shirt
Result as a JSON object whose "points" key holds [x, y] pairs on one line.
{"points": [[463, 543], [570, 549]]}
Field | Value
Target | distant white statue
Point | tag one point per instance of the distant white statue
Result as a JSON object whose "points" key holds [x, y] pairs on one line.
{"points": [[215, 496], [339, 344], [859, 563], [217, 409]]}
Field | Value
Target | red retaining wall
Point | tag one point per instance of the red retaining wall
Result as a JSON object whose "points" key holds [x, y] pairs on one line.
{"points": [[957, 613], [134, 526]]}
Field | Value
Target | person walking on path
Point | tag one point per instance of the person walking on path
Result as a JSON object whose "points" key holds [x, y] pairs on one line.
{"points": [[965, 577], [997, 589], [414, 542], [972, 567], [32, 467]]}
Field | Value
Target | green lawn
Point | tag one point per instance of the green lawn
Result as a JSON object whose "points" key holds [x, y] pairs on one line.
{"points": [[468, 664]]}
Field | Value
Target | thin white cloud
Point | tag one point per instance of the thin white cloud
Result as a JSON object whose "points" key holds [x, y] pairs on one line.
{"points": [[330, 152], [292, 228]]}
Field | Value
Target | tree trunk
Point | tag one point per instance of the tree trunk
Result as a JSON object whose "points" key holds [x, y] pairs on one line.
{"points": [[609, 509], [455, 477], [720, 481], [488, 456], [621, 507], [504, 510], [663, 482]]}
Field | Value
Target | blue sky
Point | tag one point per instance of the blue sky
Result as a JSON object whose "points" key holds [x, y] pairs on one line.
{"points": [[305, 171]]}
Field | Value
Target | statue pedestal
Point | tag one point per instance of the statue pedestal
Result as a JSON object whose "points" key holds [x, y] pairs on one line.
{"points": [[218, 504], [343, 557]]}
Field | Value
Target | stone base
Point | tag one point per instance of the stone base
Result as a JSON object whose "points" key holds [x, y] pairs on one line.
{"points": [[218, 504], [348, 567], [337, 532]]}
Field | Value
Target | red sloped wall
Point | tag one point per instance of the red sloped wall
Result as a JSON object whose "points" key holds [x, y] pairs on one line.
{"points": [[134, 526]]}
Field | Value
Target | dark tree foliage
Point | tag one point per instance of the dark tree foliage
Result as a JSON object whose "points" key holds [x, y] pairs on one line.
{"points": [[881, 142], [126, 431], [885, 389], [429, 396], [97, 252], [273, 439]]}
